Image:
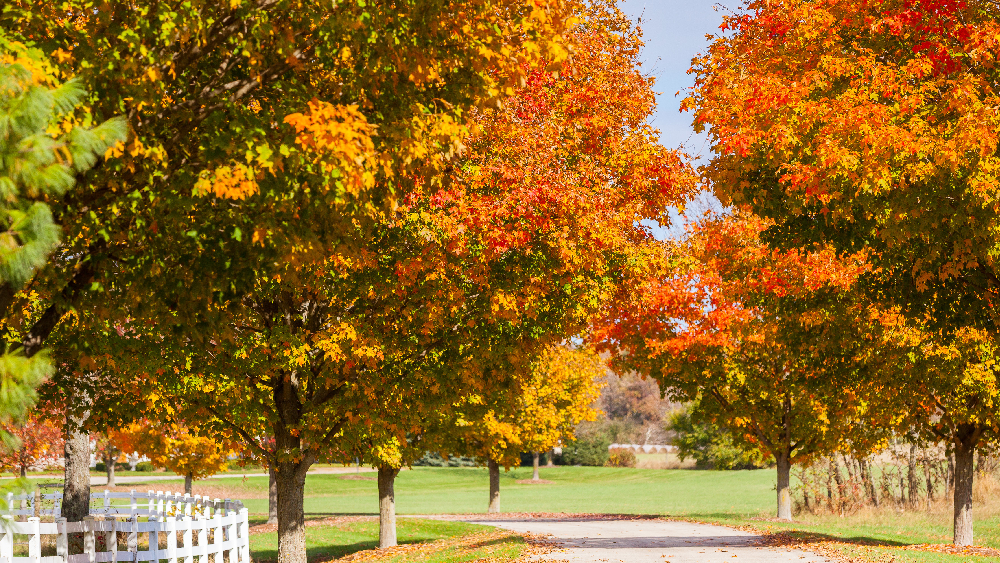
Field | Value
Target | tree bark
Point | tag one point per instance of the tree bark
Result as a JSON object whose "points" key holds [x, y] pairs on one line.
{"points": [[913, 480], [534, 464], [188, 484], [76, 485], [24, 472], [784, 492], [550, 458], [290, 478], [965, 458], [494, 487], [387, 506], [109, 469], [272, 496]]}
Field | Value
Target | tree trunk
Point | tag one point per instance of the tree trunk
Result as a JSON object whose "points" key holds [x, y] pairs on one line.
{"points": [[550, 458], [24, 472], [839, 480], [290, 479], [784, 493], [387, 506], [534, 464], [272, 496], [965, 458], [109, 468], [76, 486], [188, 484], [914, 481], [291, 463], [494, 487]]}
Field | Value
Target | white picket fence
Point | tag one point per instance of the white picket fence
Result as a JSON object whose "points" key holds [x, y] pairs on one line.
{"points": [[192, 527]]}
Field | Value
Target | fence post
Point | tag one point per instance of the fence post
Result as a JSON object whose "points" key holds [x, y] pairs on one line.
{"points": [[170, 527], [62, 539], [152, 503], [34, 540], [244, 535], [7, 539], [159, 502], [218, 536], [107, 501], [133, 537], [154, 540], [89, 543], [188, 548], [203, 541], [170, 503], [231, 536], [112, 538]]}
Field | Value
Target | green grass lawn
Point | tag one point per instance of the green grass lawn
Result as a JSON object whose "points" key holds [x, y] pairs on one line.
{"points": [[726, 497]]}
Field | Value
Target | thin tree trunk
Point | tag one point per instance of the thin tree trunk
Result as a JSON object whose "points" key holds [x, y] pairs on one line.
{"points": [[534, 464], [24, 472], [914, 480], [188, 484], [550, 458], [109, 469], [387, 506], [76, 485], [272, 496], [784, 492], [965, 458], [494, 487]]}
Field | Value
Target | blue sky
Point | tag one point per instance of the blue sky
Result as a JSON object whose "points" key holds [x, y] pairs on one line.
{"points": [[674, 32]]}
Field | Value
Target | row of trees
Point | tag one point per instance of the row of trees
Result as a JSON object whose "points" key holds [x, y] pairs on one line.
{"points": [[325, 233], [847, 295]]}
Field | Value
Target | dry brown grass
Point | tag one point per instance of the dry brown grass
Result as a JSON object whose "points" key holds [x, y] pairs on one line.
{"points": [[201, 488], [662, 461]]}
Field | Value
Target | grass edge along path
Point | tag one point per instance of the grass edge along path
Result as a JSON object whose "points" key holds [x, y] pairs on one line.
{"points": [[355, 538], [861, 550]]}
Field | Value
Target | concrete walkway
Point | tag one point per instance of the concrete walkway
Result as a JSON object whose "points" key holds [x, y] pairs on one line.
{"points": [[641, 541]]}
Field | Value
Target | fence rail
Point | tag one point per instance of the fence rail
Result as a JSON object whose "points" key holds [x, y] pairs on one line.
{"points": [[177, 528]]}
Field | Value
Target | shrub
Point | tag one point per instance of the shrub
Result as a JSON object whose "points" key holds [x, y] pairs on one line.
{"points": [[621, 458], [711, 446], [589, 450], [144, 466], [431, 459]]}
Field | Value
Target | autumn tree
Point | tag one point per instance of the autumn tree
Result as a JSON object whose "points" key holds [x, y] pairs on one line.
{"points": [[771, 344], [563, 385], [515, 251], [31, 442], [252, 138], [175, 447], [867, 125]]}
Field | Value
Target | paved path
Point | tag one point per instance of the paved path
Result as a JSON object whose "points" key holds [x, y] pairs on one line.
{"points": [[641, 541]]}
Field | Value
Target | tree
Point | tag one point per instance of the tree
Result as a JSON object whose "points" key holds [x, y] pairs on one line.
{"points": [[866, 125], [175, 447], [35, 440], [773, 345], [43, 145], [953, 397], [109, 452], [515, 251], [560, 393]]}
